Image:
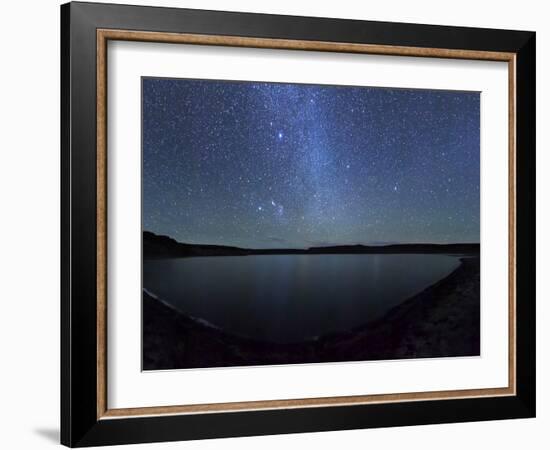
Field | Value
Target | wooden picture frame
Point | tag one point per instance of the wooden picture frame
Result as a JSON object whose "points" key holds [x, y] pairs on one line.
{"points": [[86, 418]]}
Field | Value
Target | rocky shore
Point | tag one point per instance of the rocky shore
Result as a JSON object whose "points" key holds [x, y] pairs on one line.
{"points": [[441, 321]]}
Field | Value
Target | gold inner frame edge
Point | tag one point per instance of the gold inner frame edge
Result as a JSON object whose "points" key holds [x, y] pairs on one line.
{"points": [[103, 36]]}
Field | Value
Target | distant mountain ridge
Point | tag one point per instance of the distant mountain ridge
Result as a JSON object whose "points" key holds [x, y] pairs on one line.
{"points": [[159, 246]]}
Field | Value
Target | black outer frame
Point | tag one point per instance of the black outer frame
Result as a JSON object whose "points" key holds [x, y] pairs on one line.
{"points": [[79, 423]]}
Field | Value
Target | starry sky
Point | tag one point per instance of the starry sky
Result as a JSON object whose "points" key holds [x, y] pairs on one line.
{"points": [[276, 165]]}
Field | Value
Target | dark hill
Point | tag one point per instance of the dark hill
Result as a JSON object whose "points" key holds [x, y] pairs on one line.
{"points": [[157, 246]]}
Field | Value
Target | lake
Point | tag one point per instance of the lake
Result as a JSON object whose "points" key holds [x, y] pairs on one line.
{"points": [[290, 298]]}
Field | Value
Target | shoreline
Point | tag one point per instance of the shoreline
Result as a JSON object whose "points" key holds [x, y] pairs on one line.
{"points": [[160, 246], [440, 321]]}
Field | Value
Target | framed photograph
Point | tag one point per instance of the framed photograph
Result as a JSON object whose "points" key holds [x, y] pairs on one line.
{"points": [[276, 224]]}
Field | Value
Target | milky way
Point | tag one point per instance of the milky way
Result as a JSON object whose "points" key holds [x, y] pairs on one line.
{"points": [[268, 165]]}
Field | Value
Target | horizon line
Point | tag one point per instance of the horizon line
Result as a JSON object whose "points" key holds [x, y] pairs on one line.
{"points": [[381, 245]]}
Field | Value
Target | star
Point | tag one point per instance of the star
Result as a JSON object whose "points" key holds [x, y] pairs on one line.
{"points": [[212, 173]]}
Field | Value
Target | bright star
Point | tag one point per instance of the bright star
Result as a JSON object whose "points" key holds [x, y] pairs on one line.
{"points": [[280, 135]]}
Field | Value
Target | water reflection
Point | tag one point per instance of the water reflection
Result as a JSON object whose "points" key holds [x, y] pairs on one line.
{"points": [[289, 298]]}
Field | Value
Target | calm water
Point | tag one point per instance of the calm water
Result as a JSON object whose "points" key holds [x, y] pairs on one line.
{"points": [[289, 298]]}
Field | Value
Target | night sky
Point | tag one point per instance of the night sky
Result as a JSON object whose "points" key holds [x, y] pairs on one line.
{"points": [[268, 165]]}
